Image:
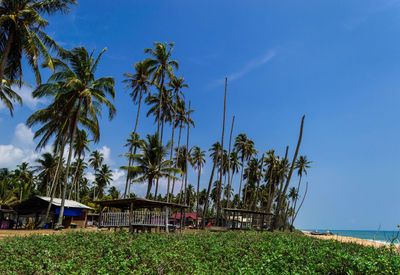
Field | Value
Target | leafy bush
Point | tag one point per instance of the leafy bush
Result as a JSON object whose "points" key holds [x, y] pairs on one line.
{"points": [[233, 252]]}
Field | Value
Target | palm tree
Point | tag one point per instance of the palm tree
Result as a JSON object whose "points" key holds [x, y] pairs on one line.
{"points": [[8, 96], [302, 164], [83, 92], [234, 167], [80, 146], [240, 147], [181, 161], [46, 167], [24, 176], [177, 85], [250, 152], [139, 83], [182, 118], [7, 196], [95, 161], [161, 66], [151, 162], [197, 161], [133, 142], [103, 178], [80, 166], [113, 192], [22, 33]]}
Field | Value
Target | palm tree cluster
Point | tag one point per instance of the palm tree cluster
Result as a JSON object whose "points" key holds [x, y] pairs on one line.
{"points": [[70, 123]]}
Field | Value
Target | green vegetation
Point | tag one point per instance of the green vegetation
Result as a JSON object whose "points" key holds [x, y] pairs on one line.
{"points": [[233, 252]]}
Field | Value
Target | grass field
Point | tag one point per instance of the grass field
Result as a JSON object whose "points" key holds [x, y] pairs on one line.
{"points": [[205, 253]]}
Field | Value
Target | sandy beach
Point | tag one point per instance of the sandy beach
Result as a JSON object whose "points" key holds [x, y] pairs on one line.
{"points": [[345, 239]]}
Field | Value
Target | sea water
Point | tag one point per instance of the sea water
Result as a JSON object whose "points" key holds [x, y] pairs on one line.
{"points": [[371, 235]]}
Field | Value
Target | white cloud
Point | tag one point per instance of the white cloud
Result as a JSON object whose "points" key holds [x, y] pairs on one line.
{"points": [[23, 135], [21, 149], [25, 93], [90, 176], [106, 151], [253, 64]]}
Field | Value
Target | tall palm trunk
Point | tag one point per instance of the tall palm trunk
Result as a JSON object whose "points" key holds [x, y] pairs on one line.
{"points": [[247, 182], [64, 189], [279, 205], [296, 212], [6, 53], [131, 148], [241, 178], [159, 105], [161, 140], [222, 157], [171, 156], [208, 191], [187, 153], [55, 182], [258, 183], [198, 194], [149, 184], [74, 180], [177, 159], [229, 165]]}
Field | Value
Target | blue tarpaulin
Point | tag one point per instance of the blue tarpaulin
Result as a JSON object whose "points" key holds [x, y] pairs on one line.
{"points": [[74, 212]]}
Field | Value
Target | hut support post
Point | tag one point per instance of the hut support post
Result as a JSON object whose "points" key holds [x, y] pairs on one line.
{"points": [[131, 217], [166, 219], [101, 214]]}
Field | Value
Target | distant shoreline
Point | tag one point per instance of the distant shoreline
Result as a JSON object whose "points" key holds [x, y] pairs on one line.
{"points": [[345, 239]]}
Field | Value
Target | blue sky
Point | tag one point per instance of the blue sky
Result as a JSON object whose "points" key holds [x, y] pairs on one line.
{"points": [[337, 62]]}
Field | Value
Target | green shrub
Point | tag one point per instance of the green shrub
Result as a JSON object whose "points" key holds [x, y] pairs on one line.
{"points": [[233, 253]]}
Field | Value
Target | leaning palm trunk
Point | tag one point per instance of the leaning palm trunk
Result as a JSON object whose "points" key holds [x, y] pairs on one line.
{"points": [[229, 165], [54, 184], [73, 186], [127, 184], [279, 205], [150, 183], [222, 158], [170, 158], [208, 192], [64, 189], [297, 211], [177, 159]]}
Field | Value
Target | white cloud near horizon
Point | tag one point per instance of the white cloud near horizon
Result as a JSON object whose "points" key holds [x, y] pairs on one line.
{"points": [[251, 65]]}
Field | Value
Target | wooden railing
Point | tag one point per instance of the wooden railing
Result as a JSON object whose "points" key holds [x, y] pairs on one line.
{"points": [[140, 217], [114, 219]]}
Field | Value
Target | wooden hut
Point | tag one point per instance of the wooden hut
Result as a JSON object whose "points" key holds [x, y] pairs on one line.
{"points": [[34, 208], [245, 219], [136, 213]]}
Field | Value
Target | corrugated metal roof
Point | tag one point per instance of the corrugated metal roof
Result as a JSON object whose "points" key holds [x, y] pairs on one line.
{"points": [[68, 203]]}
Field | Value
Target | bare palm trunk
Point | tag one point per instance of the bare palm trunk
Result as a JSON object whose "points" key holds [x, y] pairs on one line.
{"points": [[159, 105], [170, 158], [187, 153], [55, 183], [208, 191], [64, 189], [222, 157], [295, 201], [198, 195], [279, 205], [229, 165], [177, 159], [127, 184], [5, 54]]}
